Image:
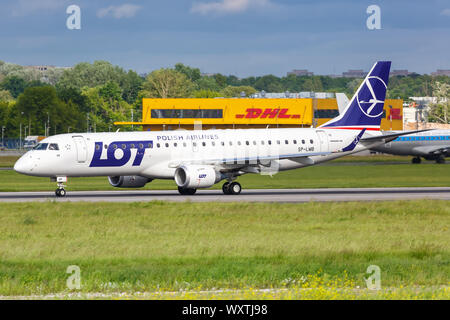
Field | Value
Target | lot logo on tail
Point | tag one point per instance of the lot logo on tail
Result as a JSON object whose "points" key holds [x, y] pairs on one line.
{"points": [[365, 110], [367, 99]]}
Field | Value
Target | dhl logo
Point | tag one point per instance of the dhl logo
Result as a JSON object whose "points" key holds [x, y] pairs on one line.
{"points": [[281, 113], [395, 114]]}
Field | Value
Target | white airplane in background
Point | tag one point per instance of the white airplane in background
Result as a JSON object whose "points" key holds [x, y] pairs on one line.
{"points": [[200, 159], [431, 145]]}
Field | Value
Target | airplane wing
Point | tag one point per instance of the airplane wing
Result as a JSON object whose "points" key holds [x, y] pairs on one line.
{"points": [[237, 162], [391, 136]]}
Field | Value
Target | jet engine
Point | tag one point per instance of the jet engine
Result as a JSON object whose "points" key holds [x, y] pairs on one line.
{"points": [[128, 181], [196, 176]]}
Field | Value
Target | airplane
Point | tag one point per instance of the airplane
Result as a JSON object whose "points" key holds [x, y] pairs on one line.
{"points": [[199, 159], [431, 145]]}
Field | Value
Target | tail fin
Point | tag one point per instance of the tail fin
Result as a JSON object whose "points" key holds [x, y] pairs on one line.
{"points": [[366, 107]]}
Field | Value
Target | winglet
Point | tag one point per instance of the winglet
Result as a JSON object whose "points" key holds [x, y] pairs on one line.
{"points": [[352, 145]]}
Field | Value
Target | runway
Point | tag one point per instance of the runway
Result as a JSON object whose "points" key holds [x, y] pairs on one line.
{"points": [[250, 195]]}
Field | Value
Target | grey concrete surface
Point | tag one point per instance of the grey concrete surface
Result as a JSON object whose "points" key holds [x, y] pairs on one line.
{"points": [[251, 195], [9, 153]]}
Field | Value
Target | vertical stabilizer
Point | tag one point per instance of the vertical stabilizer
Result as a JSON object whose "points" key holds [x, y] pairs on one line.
{"points": [[365, 109]]}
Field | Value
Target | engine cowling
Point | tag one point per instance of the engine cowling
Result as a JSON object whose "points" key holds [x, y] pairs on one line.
{"points": [[196, 176], [128, 181]]}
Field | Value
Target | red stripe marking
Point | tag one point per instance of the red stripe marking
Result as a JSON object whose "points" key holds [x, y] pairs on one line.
{"points": [[352, 128]]}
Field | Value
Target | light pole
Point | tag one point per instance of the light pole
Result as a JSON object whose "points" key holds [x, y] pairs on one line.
{"points": [[3, 136], [48, 125], [390, 115], [20, 141]]}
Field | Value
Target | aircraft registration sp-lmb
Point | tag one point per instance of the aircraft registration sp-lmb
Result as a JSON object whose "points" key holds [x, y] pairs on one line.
{"points": [[200, 159]]}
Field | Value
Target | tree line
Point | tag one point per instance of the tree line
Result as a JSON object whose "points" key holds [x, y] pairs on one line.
{"points": [[91, 97]]}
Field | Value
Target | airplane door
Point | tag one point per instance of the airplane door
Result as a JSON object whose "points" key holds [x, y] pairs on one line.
{"points": [[81, 147], [323, 140]]}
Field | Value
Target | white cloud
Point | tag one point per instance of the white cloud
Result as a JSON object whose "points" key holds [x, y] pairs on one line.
{"points": [[228, 6], [445, 12], [118, 12]]}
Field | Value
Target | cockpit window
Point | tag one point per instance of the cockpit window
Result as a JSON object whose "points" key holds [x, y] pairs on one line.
{"points": [[53, 146], [41, 146]]}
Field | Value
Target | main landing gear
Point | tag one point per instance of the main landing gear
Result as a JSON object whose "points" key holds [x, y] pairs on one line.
{"points": [[416, 160], [440, 159], [231, 188], [60, 191]]}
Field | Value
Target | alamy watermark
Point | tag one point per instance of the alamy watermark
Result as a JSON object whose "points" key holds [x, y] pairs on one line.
{"points": [[74, 280], [73, 22], [373, 282], [374, 20]]}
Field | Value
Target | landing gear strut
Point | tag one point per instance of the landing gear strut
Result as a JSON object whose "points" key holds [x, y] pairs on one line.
{"points": [[231, 188]]}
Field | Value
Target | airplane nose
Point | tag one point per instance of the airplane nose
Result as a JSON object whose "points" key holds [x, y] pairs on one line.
{"points": [[23, 165]]}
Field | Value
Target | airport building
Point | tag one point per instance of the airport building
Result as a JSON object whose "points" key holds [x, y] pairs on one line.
{"points": [[310, 110]]}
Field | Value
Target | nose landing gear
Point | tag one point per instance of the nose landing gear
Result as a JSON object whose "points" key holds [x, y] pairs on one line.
{"points": [[60, 191]]}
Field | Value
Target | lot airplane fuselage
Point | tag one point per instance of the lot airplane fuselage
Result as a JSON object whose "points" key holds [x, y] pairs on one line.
{"points": [[157, 155], [199, 159]]}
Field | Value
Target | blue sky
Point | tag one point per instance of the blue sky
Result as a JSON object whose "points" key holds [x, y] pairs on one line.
{"points": [[240, 37]]}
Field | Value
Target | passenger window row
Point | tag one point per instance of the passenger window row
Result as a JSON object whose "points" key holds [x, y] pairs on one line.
{"points": [[239, 143]]}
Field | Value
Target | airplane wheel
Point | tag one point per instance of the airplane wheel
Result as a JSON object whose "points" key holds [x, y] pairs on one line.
{"points": [[60, 192], [440, 160], [234, 188], [225, 188], [416, 160], [187, 191]]}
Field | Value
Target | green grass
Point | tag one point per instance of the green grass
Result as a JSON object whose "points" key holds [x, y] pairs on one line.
{"points": [[164, 246], [7, 161], [335, 174]]}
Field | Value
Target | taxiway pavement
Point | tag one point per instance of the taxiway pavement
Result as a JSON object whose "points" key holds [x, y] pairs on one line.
{"points": [[251, 195]]}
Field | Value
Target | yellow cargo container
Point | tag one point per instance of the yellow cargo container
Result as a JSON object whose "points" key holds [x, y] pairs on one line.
{"points": [[221, 113], [171, 114]]}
